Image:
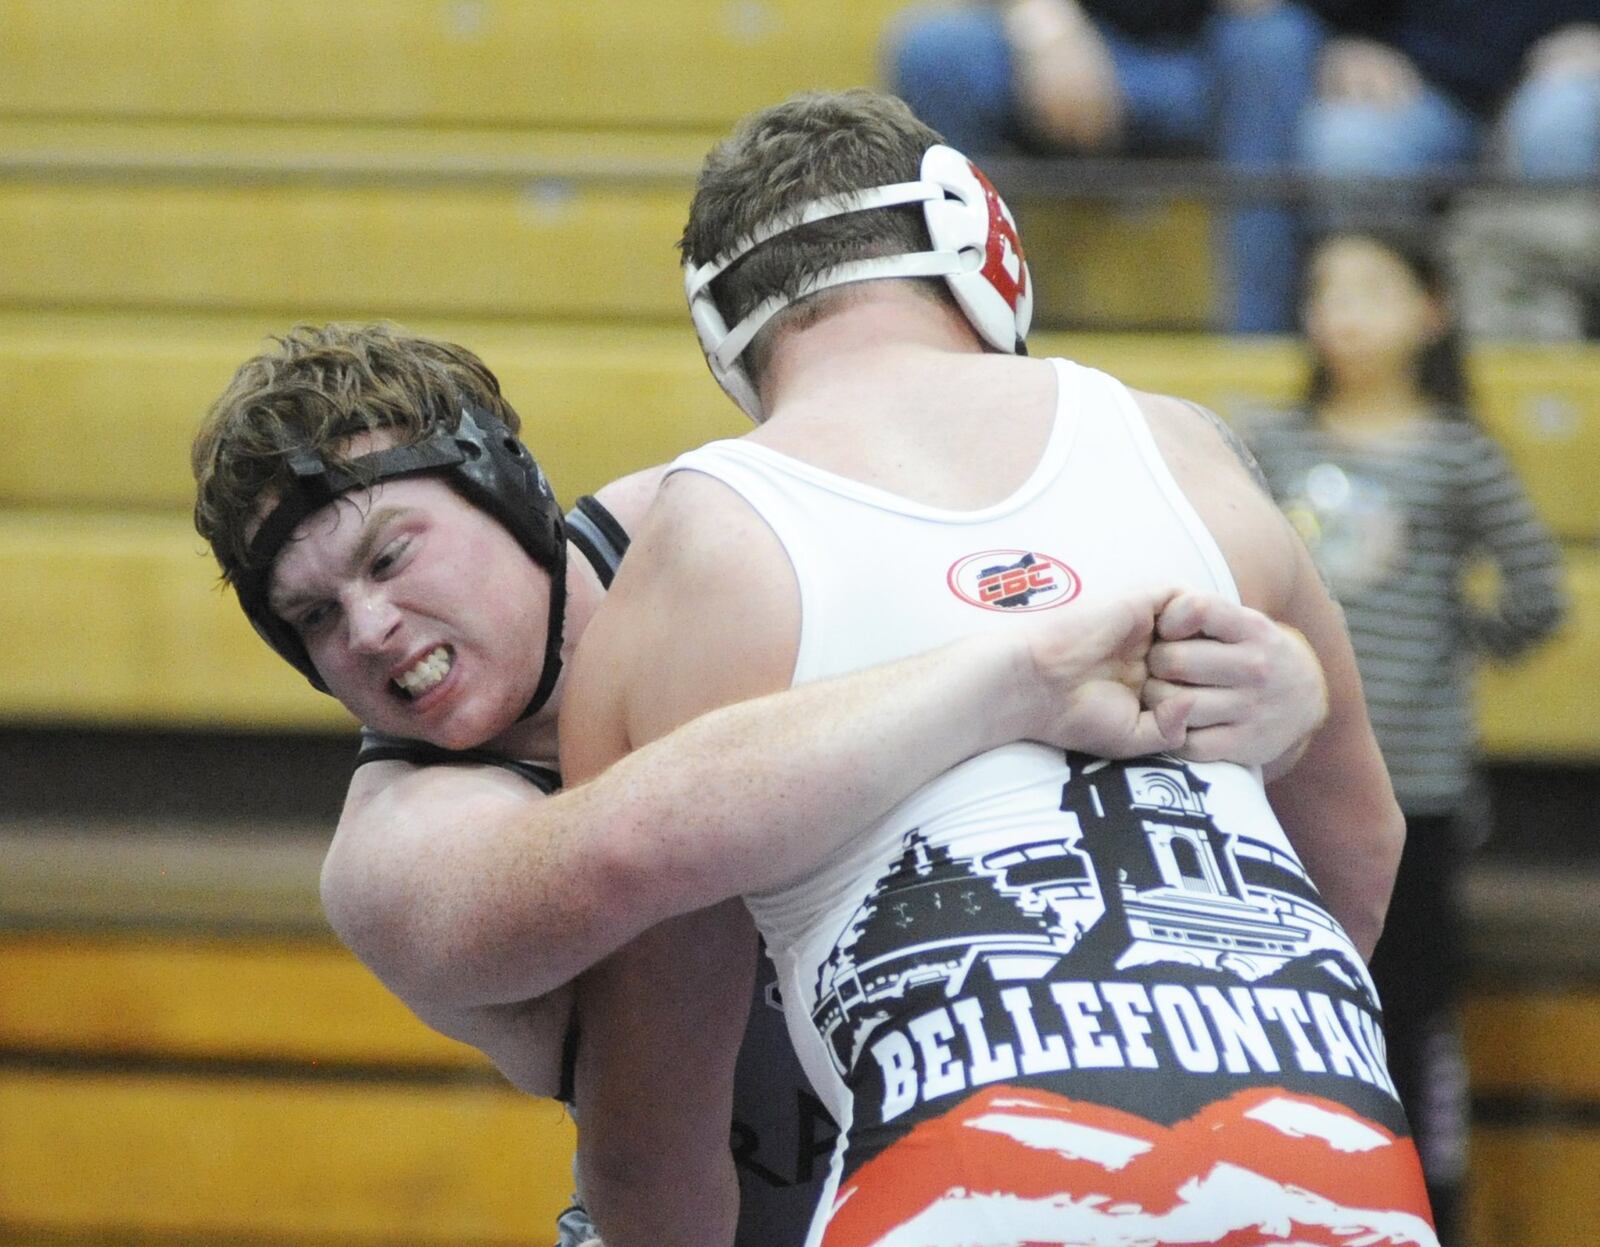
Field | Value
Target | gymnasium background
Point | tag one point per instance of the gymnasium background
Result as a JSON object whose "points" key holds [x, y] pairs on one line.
{"points": [[186, 1055]]}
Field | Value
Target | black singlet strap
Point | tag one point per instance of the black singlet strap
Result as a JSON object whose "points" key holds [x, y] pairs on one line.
{"points": [[598, 535], [568, 1091], [376, 747]]}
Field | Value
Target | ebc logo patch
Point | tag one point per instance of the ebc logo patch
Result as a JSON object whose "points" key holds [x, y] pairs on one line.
{"points": [[1013, 580]]}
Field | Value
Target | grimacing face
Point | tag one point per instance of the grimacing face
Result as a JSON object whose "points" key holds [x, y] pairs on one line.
{"points": [[1366, 314], [422, 613]]}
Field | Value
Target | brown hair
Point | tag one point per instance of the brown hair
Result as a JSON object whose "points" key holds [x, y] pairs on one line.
{"points": [[316, 388], [807, 147]]}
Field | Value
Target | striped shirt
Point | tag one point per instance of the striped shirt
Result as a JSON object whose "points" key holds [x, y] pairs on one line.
{"points": [[1394, 525]]}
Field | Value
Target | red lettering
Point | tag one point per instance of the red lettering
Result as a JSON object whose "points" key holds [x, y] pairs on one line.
{"points": [[1003, 261]]}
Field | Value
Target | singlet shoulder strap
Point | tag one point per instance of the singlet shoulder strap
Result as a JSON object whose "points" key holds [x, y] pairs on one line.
{"points": [[377, 747], [599, 536]]}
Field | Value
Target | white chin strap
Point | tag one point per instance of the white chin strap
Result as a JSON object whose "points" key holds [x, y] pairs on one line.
{"points": [[724, 346]]}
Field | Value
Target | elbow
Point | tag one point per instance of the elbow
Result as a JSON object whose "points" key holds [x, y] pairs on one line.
{"points": [[417, 948], [1527, 620]]}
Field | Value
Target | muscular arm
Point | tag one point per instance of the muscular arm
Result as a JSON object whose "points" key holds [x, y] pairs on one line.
{"points": [[468, 899], [1258, 687], [661, 1023], [1335, 803], [395, 808]]}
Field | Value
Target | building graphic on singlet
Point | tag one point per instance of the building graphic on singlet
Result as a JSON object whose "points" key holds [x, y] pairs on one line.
{"points": [[1139, 875]]}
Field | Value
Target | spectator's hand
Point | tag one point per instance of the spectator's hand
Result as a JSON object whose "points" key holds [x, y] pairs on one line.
{"points": [[1254, 687], [1571, 52], [1066, 82], [1364, 71]]}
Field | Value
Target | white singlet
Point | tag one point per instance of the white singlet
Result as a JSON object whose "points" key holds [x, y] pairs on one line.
{"points": [[1053, 999]]}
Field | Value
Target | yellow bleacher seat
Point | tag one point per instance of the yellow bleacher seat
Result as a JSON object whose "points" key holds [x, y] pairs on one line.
{"points": [[292, 1001], [1087, 263], [102, 518], [1543, 404], [116, 618], [551, 248], [1533, 1179], [248, 1088], [603, 400], [1544, 706], [99, 411], [546, 247], [488, 62], [119, 620], [230, 1159], [188, 1087]]}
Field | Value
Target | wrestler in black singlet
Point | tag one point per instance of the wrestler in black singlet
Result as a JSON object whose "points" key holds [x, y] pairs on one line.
{"points": [[782, 1135]]}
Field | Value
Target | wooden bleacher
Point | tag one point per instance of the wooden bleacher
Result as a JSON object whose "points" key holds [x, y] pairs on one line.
{"points": [[683, 64], [84, 518], [193, 1077], [185, 1054]]}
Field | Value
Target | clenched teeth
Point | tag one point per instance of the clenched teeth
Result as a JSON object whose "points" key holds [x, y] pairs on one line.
{"points": [[425, 672]]}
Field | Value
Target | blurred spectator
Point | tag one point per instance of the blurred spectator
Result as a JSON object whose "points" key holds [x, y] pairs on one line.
{"points": [[1418, 86], [1411, 85], [1396, 490], [1229, 77]]}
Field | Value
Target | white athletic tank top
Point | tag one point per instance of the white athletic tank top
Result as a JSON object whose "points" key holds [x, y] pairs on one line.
{"points": [[1043, 965]]}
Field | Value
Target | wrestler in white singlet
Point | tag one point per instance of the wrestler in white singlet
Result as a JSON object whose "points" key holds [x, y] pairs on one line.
{"points": [[1054, 999]]}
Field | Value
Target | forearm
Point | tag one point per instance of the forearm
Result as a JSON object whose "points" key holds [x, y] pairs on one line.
{"points": [[1530, 600], [753, 795]]}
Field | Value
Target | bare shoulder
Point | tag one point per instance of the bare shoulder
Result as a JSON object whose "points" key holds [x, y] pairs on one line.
{"points": [[1188, 430], [1220, 477], [703, 612], [693, 523], [628, 498]]}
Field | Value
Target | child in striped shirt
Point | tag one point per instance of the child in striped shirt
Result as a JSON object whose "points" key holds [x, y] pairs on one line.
{"points": [[1397, 490]]}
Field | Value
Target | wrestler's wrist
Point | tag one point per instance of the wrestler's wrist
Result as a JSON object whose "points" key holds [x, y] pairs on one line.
{"points": [[1011, 699]]}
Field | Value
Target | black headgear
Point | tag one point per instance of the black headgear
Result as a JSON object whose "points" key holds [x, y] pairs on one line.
{"points": [[482, 460]]}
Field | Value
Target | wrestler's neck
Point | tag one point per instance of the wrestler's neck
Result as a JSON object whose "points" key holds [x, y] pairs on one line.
{"points": [[534, 740], [866, 351]]}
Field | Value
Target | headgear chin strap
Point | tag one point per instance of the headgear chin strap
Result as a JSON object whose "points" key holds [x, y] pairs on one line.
{"points": [[482, 460], [975, 249]]}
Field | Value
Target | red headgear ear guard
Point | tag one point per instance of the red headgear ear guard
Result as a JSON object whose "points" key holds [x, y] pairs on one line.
{"points": [[975, 249]]}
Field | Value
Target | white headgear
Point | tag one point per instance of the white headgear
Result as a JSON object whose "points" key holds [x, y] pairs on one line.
{"points": [[975, 249]]}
